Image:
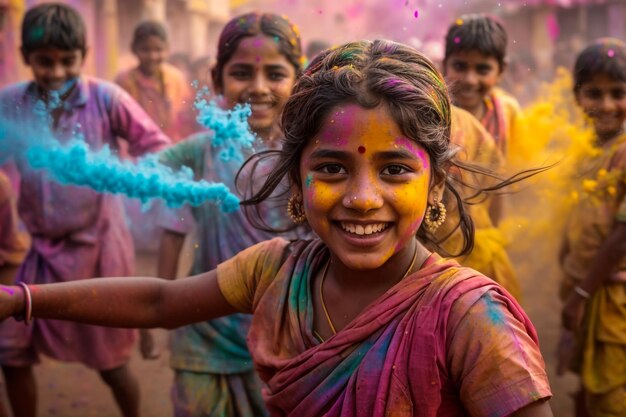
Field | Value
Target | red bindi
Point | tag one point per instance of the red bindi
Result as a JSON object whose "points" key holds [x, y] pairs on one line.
{"points": [[361, 149]]}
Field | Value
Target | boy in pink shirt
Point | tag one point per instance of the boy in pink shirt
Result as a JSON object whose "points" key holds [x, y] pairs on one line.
{"points": [[76, 232]]}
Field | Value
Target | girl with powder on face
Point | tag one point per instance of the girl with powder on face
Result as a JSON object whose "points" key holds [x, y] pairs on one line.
{"points": [[364, 320], [592, 257], [259, 57]]}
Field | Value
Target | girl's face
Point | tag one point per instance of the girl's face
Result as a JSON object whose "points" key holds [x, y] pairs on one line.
{"points": [[151, 53], [258, 74], [603, 98], [365, 185], [471, 75]]}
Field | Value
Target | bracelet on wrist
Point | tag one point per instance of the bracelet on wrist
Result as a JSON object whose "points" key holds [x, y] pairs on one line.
{"points": [[583, 293], [27, 313]]}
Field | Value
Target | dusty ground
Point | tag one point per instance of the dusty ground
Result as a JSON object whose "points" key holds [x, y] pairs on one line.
{"points": [[68, 390]]}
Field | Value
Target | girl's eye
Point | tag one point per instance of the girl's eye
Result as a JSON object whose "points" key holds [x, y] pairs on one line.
{"points": [[618, 94], [395, 170], [593, 94], [240, 75], [277, 76], [331, 169]]}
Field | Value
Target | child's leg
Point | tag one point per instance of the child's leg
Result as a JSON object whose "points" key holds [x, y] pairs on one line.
{"points": [[22, 390], [125, 389]]}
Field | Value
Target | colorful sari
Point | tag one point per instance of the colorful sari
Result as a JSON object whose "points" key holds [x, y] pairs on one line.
{"points": [[418, 350]]}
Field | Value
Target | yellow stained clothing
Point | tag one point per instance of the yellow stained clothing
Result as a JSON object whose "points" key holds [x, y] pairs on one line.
{"points": [[602, 184], [489, 254], [504, 121]]}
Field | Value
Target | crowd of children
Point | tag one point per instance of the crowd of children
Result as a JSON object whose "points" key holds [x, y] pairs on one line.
{"points": [[364, 274]]}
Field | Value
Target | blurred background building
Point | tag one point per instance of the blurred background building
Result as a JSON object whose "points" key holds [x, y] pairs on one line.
{"points": [[543, 33], [193, 27]]}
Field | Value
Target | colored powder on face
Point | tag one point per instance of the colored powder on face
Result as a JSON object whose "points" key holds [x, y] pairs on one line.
{"points": [[309, 180], [361, 149], [74, 163]]}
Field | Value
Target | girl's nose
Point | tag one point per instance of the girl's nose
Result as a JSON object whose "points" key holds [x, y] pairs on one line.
{"points": [[363, 195], [470, 78], [259, 84]]}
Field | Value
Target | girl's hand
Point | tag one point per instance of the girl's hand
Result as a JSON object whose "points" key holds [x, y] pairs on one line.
{"points": [[573, 311], [11, 301]]}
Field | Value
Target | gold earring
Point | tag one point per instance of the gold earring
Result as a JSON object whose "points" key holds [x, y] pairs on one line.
{"points": [[435, 216], [295, 209]]}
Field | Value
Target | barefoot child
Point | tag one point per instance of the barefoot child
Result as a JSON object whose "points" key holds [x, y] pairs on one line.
{"points": [[593, 252], [259, 57], [363, 320], [76, 233]]}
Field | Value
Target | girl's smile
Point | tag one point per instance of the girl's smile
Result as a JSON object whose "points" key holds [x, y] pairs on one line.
{"points": [[259, 74], [604, 100], [365, 187]]}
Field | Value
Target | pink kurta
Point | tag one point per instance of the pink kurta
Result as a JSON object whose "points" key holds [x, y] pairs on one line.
{"points": [[76, 233]]}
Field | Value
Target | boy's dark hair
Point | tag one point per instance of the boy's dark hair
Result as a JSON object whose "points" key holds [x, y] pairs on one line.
{"points": [[53, 25], [603, 56], [285, 33], [146, 29], [479, 32]]}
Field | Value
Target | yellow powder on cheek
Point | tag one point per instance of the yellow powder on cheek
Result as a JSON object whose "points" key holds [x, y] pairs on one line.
{"points": [[320, 198]]}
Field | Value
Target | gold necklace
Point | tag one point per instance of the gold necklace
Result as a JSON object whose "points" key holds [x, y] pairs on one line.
{"points": [[328, 319]]}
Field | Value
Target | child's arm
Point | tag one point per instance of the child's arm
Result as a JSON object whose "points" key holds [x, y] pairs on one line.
{"points": [[123, 302], [539, 408], [609, 255]]}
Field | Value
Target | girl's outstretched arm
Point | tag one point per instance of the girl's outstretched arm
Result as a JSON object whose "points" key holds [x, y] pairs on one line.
{"points": [[123, 302], [536, 409]]}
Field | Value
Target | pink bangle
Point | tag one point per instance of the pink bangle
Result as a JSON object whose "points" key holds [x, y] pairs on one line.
{"points": [[27, 315]]}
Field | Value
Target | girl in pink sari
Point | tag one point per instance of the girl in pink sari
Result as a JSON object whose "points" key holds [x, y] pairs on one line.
{"points": [[365, 320]]}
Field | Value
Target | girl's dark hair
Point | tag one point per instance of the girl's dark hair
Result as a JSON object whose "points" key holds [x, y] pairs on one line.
{"points": [[285, 33], [604, 56], [479, 32], [53, 25], [146, 29], [371, 73]]}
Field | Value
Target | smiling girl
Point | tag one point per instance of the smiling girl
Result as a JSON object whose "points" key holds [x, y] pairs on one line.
{"points": [[259, 57], [364, 320]]}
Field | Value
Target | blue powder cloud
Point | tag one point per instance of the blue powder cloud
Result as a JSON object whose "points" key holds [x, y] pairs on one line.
{"points": [[74, 163]]}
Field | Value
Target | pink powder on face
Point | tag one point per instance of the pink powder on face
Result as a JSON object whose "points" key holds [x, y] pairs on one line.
{"points": [[338, 128], [420, 153]]}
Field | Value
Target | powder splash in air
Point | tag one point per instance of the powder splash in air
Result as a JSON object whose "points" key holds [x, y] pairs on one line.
{"points": [[74, 163]]}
